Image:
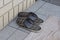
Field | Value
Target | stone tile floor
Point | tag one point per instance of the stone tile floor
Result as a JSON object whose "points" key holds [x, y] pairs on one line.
{"points": [[13, 32]]}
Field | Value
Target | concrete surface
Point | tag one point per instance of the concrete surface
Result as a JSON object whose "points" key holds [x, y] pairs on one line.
{"points": [[44, 10]]}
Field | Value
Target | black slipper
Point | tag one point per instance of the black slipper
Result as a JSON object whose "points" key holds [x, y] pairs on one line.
{"points": [[31, 26]]}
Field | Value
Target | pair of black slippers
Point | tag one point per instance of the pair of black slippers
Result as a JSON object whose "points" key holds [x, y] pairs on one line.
{"points": [[29, 20]]}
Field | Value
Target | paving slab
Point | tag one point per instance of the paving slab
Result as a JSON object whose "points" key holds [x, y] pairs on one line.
{"points": [[36, 6], [18, 35], [6, 32], [42, 16], [57, 35], [55, 2], [50, 9], [38, 36]]}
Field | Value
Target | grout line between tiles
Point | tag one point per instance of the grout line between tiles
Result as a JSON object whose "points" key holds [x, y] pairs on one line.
{"points": [[40, 7], [19, 29], [11, 34], [3, 2], [26, 36]]}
